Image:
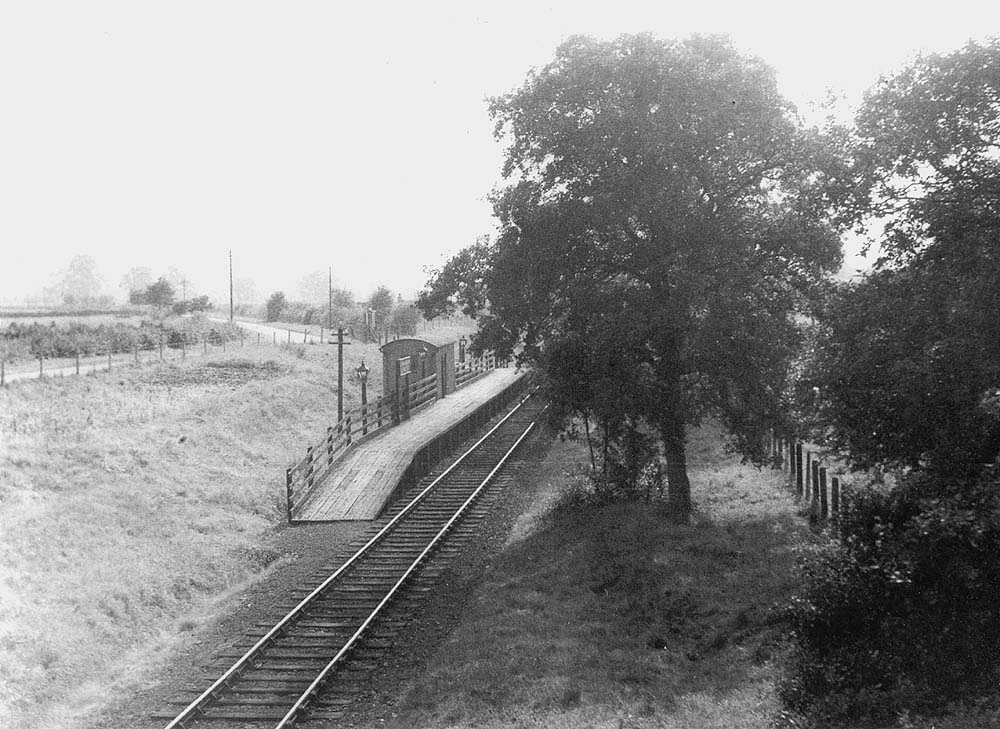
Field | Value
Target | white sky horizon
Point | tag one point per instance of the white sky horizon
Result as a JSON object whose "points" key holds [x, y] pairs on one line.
{"points": [[303, 135]]}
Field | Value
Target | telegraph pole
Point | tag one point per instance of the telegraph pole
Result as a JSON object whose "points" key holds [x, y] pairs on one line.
{"points": [[230, 286], [340, 373]]}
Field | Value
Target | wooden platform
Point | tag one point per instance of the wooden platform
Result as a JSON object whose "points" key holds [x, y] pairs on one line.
{"points": [[366, 477]]}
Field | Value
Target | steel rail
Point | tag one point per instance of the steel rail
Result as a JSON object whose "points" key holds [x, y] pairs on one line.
{"points": [[196, 706], [323, 675]]}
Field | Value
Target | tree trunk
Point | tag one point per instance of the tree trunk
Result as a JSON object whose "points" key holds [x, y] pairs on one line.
{"points": [[672, 432], [678, 485]]}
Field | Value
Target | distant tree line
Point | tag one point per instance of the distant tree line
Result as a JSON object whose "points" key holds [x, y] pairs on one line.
{"points": [[161, 294], [381, 312]]}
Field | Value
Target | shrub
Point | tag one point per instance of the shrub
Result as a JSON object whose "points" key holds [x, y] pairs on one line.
{"points": [[901, 613]]}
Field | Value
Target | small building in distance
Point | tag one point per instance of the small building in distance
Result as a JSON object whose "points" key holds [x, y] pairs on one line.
{"points": [[420, 358]]}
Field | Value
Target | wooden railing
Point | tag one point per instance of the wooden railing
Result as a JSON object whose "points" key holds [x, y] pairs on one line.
{"points": [[423, 391], [466, 372], [360, 422]]}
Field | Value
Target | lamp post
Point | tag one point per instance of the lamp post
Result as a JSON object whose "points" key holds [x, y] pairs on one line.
{"points": [[362, 373], [461, 348]]}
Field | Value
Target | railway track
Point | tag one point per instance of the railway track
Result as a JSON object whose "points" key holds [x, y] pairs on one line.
{"points": [[340, 627]]}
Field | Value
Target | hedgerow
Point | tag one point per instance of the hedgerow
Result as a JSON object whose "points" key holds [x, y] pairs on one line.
{"points": [[30, 341], [901, 613]]}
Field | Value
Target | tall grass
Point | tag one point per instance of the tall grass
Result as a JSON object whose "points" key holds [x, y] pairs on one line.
{"points": [[128, 500], [608, 615]]}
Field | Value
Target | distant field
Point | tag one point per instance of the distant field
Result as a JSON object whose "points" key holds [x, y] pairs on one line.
{"points": [[9, 314], [437, 328], [66, 319]]}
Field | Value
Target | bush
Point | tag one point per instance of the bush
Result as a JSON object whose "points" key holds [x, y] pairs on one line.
{"points": [[901, 613]]}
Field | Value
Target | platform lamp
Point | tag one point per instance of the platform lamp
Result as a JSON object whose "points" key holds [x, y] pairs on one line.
{"points": [[461, 348], [362, 372]]}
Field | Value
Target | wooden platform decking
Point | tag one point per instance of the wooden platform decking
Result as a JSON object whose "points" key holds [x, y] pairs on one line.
{"points": [[365, 478]]}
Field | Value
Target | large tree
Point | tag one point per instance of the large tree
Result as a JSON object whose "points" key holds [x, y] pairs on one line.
{"points": [[663, 211]]}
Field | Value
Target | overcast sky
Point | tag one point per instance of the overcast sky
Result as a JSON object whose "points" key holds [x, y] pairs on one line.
{"points": [[302, 135]]}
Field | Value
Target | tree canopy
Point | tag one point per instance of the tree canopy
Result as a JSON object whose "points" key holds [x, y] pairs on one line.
{"points": [[661, 223], [910, 363]]}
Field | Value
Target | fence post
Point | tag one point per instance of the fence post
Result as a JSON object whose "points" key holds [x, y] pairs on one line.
{"points": [[184, 348], [258, 339], [309, 470], [347, 428], [274, 337], [798, 469], [305, 336], [822, 494], [161, 351], [834, 497], [791, 463], [329, 445], [288, 493], [808, 486], [815, 484], [78, 361], [40, 368], [109, 358]]}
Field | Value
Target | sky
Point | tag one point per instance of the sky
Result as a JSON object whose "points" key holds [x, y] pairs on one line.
{"points": [[308, 135]]}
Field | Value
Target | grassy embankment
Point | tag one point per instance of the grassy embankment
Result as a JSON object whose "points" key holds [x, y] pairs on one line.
{"points": [[130, 501], [609, 616]]}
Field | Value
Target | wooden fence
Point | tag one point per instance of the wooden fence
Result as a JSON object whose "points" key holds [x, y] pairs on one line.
{"points": [[466, 372], [809, 478], [358, 424]]}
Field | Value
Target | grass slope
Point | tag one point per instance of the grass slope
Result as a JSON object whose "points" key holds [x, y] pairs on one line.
{"points": [[609, 616], [130, 501]]}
